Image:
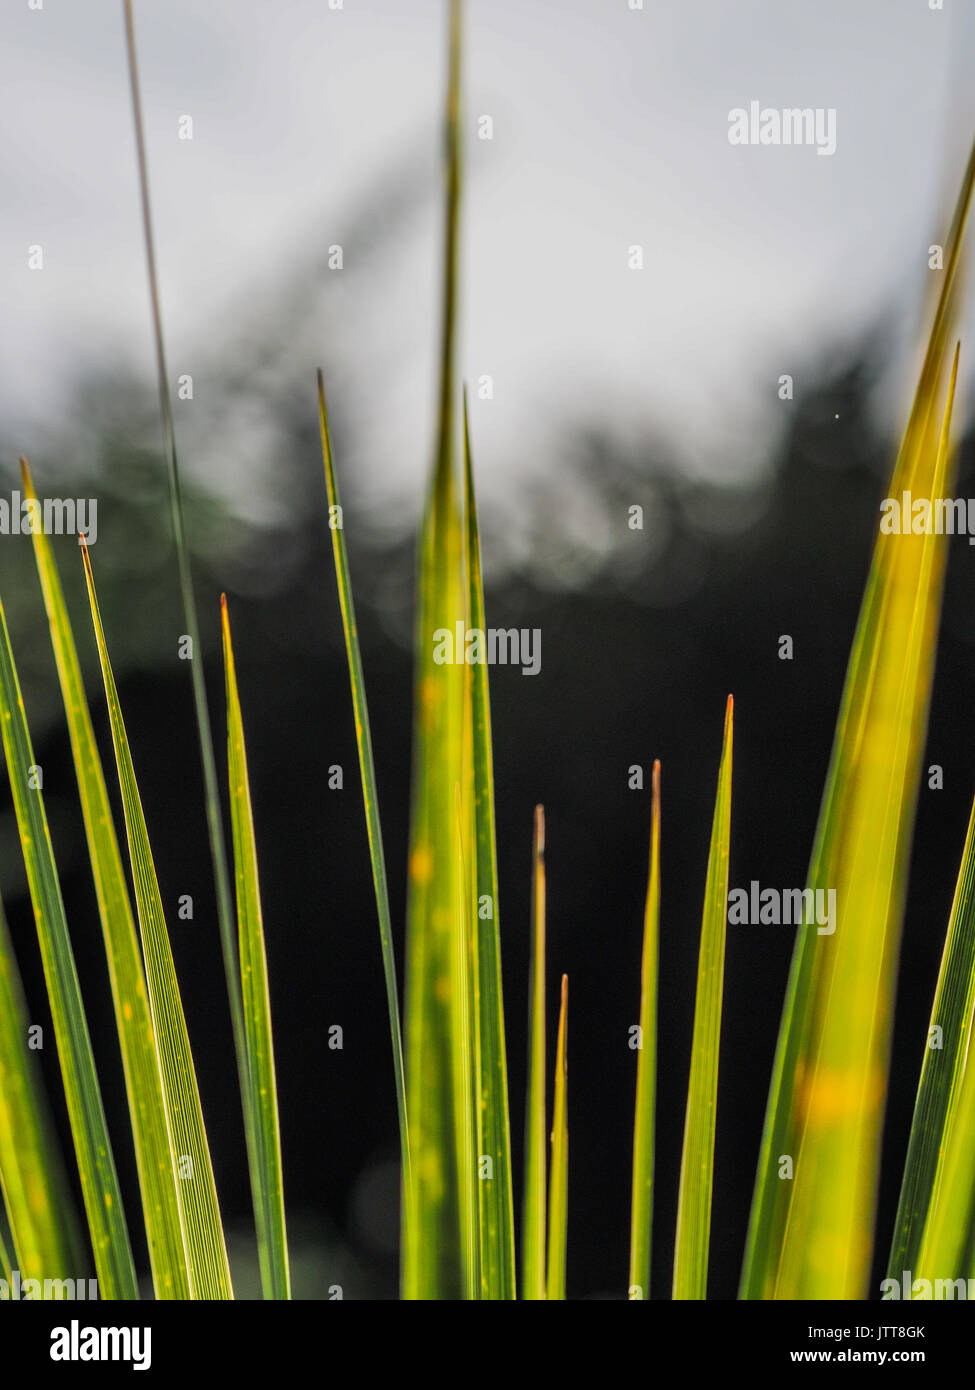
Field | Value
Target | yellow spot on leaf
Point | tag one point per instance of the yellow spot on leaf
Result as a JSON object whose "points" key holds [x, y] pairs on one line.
{"points": [[421, 865], [830, 1097]]}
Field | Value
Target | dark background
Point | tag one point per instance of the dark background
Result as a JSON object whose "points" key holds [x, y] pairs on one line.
{"points": [[636, 664]]}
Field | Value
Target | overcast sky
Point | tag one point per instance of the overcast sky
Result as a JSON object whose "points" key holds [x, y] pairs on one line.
{"points": [[610, 129]]}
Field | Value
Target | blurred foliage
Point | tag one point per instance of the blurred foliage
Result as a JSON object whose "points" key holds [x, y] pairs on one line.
{"points": [[654, 625]]}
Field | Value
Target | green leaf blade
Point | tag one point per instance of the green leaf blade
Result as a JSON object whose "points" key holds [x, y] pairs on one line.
{"points": [[440, 1210], [641, 1204], [828, 1082], [269, 1194], [31, 1181], [942, 1069], [697, 1156], [534, 1215], [934, 1224], [208, 1272], [367, 772], [496, 1202], [6, 1265], [947, 1248], [440, 1241], [812, 1237], [96, 1165], [558, 1192], [130, 1000], [208, 762]]}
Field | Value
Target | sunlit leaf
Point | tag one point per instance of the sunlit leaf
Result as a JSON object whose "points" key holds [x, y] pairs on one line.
{"points": [[533, 1221], [496, 1205], [440, 1253], [269, 1191], [812, 1236], [945, 1053], [641, 1205], [207, 1270], [96, 1164], [31, 1180], [132, 1018], [558, 1190], [697, 1156]]}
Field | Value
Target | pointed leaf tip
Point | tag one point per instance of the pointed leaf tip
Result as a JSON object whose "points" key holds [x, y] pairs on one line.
{"points": [[540, 830]]}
